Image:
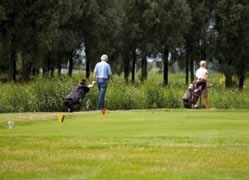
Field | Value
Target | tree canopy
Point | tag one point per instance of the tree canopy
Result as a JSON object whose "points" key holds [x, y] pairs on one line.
{"points": [[49, 34]]}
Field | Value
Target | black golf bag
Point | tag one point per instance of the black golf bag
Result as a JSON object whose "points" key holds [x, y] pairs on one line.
{"points": [[72, 100], [192, 95]]}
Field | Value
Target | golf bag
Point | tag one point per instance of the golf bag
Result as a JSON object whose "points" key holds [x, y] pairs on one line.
{"points": [[192, 95], [72, 100]]}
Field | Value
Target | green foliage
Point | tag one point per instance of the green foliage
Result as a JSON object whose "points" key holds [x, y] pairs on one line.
{"points": [[120, 96], [47, 95], [39, 95], [232, 17], [172, 20], [37, 34]]}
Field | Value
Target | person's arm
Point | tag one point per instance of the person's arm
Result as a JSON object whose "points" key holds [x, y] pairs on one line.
{"points": [[110, 77], [109, 72], [206, 75], [197, 74], [94, 76], [94, 73]]}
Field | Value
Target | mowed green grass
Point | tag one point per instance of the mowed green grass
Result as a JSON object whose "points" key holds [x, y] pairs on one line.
{"points": [[149, 144]]}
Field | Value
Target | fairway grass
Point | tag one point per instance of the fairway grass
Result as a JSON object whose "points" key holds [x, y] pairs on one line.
{"points": [[148, 144]]}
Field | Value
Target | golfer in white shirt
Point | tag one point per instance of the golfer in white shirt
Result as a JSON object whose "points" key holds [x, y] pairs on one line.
{"points": [[202, 74]]}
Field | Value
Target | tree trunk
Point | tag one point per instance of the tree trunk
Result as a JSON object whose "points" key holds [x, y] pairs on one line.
{"points": [[144, 68], [52, 72], [88, 56], [59, 70], [134, 59], [229, 80], [71, 64], [13, 57], [35, 71], [47, 65], [192, 76], [44, 71], [26, 70], [241, 81], [187, 68], [204, 50], [87, 64], [166, 66], [189, 60], [126, 62]]}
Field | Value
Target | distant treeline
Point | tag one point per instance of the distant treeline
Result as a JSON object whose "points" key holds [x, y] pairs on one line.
{"points": [[47, 34]]}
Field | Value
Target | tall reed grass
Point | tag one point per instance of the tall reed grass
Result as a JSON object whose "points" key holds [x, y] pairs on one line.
{"points": [[46, 95]]}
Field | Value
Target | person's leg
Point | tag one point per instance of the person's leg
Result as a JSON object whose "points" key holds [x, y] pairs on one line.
{"points": [[98, 103], [101, 98], [102, 95], [206, 102], [205, 96]]}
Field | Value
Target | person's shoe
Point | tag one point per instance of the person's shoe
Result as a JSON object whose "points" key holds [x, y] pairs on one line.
{"points": [[103, 111]]}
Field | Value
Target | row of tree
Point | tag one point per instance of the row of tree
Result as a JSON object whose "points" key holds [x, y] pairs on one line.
{"points": [[47, 34]]}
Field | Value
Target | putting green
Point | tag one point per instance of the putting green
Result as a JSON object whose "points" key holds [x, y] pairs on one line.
{"points": [[148, 144]]}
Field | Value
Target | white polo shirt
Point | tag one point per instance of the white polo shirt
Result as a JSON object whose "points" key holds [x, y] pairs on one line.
{"points": [[201, 73]]}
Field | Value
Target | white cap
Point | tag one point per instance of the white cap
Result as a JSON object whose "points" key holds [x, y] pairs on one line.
{"points": [[104, 57], [203, 63]]}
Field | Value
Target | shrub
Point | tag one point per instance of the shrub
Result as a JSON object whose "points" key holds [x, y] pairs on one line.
{"points": [[47, 94]]}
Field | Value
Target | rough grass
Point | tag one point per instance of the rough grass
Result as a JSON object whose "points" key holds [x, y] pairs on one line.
{"points": [[46, 95], [149, 144]]}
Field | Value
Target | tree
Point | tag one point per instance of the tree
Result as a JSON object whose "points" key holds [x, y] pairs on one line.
{"points": [[242, 45], [9, 31], [129, 35], [98, 25], [22, 27], [196, 36], [232, 39], [171, 20], [136, 34]]}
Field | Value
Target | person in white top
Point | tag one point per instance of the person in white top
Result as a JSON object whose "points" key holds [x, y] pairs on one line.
{"points": [[202, 74]]}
